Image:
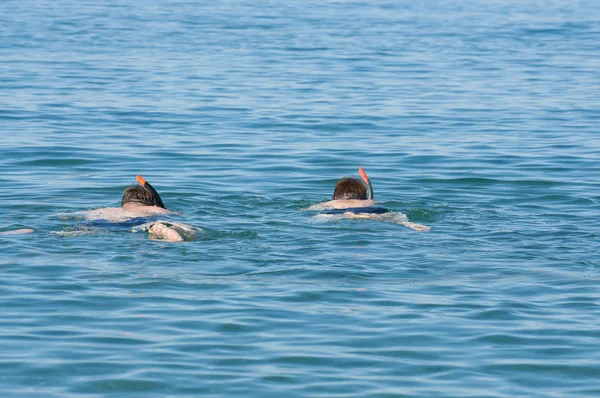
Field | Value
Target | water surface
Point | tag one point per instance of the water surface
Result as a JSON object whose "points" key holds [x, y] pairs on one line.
{"points": [[479, 120]]}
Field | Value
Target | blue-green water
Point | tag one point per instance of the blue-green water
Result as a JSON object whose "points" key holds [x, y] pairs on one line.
{"points": [[479, 119]]}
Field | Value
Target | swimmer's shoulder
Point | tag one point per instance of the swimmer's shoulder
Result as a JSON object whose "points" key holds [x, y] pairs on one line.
{"points": [[342, 204], [137, 209]]}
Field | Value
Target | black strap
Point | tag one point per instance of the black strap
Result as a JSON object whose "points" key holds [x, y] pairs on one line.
{"points": [[155, 196]]}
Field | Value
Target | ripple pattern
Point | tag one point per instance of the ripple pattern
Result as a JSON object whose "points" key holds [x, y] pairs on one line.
{"points": [[476, 119]]}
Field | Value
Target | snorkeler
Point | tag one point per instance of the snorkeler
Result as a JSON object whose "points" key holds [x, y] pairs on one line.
{"points": [[353, 198], [140, 205]]}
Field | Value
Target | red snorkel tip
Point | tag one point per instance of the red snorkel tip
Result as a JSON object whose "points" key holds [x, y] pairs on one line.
{"points": [[155, 196], [363, 175]]}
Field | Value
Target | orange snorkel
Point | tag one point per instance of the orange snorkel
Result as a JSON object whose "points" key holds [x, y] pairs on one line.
{"points": [[364, 177], [155, 196]]}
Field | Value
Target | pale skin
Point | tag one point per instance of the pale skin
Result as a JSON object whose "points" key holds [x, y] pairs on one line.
{"points": [[342, 204], [17, 231], [127, 211], [135, 207], [353, 203], [135, 210], [165, 232]]}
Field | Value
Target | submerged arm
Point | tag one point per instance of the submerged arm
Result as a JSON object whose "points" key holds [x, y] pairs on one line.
{"points": [[17, 231], [415, 226], [162, 231], [170, 231]]}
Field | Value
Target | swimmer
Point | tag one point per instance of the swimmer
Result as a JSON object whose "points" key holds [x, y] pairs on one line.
{"points": [[353, 198], [138, 201], [140, 205]]}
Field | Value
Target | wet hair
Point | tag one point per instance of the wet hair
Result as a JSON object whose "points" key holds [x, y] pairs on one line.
{"points": [[137, 194], [349, 188]]}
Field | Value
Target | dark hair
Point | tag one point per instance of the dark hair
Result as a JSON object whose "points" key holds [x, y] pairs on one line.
{"points": [[349, 188], [137, 194]]}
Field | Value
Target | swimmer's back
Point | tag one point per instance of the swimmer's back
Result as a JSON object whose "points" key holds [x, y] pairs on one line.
{"points": [[357, 210], [108, 224]]}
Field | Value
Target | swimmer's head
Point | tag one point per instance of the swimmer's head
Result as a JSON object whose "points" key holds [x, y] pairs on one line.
{"points": [[137, 194], [349, 188], [156, 200]]}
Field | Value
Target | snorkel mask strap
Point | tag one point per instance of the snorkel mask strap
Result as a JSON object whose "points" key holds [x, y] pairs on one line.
{"points": [[364, 177], [155, 196]]}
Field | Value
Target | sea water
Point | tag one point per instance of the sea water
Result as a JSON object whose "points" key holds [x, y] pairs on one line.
{"points": [[478, 119]]}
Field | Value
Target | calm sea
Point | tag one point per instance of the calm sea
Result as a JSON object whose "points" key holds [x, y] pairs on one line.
{"points": [[478, 118]]}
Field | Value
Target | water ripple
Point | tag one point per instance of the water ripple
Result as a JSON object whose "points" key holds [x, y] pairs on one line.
{"points": [[479, 120]]}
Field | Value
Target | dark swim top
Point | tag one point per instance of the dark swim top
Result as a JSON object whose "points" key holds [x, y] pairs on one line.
{"points": [[357, 210], [127, 224]]}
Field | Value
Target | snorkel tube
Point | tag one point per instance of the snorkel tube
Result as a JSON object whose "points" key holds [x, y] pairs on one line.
{"points": [[364, 177], [155, 196]]}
